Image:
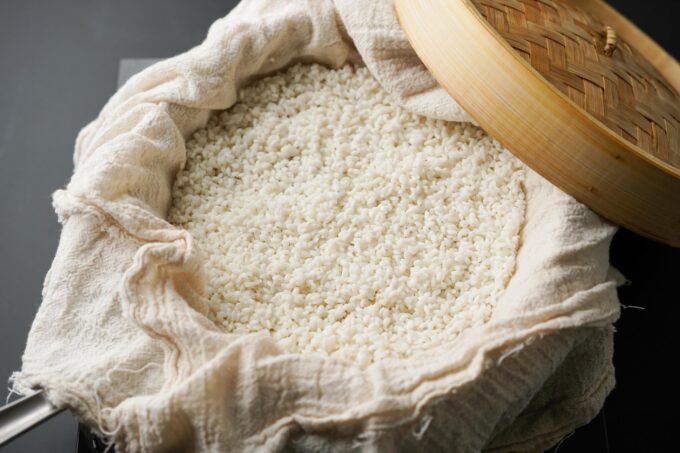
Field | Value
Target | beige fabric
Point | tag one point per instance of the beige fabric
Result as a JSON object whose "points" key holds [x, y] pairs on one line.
{"points": [[121, 339]]}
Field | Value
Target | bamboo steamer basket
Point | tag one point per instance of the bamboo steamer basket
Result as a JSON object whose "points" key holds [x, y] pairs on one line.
{"points": [[570, 87]]}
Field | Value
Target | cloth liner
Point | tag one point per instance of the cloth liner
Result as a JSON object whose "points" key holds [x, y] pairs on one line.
{"points": [[121, 337]]}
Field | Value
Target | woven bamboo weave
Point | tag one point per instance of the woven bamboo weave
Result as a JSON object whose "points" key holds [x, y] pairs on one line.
{"points": [[614, 83]]}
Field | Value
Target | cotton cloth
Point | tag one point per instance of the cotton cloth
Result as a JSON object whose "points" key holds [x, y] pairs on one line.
{"points": [[122, 339]]}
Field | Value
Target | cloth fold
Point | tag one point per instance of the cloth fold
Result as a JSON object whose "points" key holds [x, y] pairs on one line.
{"points": [[121, 337]]}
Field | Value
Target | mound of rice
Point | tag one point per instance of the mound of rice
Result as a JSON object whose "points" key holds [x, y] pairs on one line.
{"points": [[342, 224]]}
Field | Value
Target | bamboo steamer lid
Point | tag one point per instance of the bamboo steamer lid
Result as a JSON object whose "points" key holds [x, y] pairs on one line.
{"points": [[570, 87]]}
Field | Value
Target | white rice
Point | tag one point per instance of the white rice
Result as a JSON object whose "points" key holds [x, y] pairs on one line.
{"points": [[342, 224]]}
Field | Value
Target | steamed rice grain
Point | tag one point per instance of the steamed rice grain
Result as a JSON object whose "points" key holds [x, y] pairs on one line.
{"points": [[342, 224]]}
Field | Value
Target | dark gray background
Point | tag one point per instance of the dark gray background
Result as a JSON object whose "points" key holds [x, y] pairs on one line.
{"points": [[58, 66]]}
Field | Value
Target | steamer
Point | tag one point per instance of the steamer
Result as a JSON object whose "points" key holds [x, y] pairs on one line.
{"points": [[571, 87]]}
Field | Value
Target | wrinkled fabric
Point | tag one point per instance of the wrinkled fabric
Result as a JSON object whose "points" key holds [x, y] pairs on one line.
{"points": [[122, 339]]}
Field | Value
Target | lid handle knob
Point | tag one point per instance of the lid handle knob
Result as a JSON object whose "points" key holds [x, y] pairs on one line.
{"points": [[610, 41]]}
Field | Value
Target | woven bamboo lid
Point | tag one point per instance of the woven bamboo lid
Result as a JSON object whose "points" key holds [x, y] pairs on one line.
{"points": [[570, 87]]}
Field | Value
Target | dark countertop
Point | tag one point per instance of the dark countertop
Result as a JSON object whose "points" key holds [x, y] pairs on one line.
{"points": [[59, 66]]}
